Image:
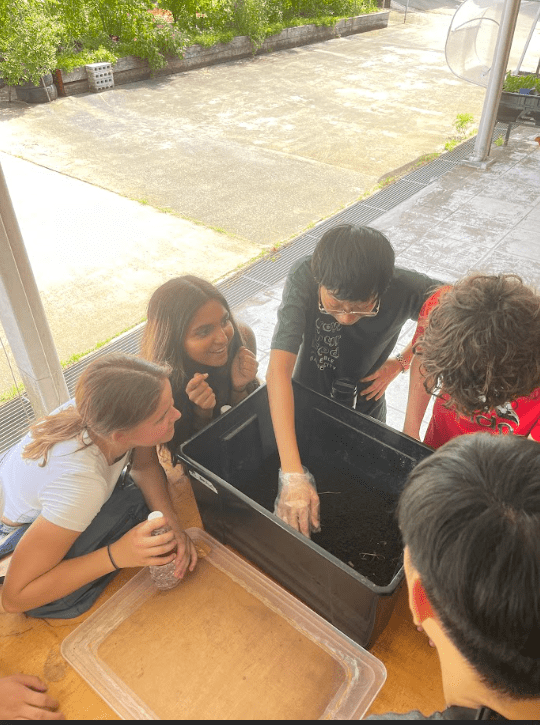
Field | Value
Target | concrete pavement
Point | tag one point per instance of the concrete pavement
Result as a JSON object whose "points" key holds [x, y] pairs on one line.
{"points": [[118, 191]]}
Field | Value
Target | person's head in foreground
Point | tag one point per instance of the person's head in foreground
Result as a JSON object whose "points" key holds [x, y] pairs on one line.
{"points": [[353, 267], [482, 344], [470, 520]]}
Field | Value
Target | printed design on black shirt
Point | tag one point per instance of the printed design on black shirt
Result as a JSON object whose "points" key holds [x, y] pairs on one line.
{"points": [[325, 344], [508, 424]]}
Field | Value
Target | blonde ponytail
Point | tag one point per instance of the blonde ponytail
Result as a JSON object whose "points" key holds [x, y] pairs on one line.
{"points": [[115, 392]]}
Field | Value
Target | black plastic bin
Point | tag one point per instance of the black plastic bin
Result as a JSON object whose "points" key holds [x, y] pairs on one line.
{"points": [[360, 466]]}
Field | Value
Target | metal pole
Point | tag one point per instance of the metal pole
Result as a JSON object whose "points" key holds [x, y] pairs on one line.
{"points": [[23, 316], [495, 83], [531, 31]]}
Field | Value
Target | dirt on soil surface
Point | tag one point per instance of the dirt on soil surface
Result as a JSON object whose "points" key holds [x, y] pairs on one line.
{"points": [[358, 523]]}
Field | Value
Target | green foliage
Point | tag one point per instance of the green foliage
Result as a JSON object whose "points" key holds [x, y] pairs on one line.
{"points": [[28, 42], [462, 121], [462, 125], [451, 145], [37, 36], [251, 18], [5, 6], [184, 11], [499, 141], [316, 8], [257, 19], [134, 31], [69, 61], [512, 84], [12, 392], [208, 39], [78, 19]]}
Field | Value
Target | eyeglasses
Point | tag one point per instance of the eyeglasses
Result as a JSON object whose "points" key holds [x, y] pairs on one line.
{"points": [[356, 313]]}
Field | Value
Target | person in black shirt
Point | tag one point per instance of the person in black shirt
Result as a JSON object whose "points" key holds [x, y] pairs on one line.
{"points": [[341, 315]]}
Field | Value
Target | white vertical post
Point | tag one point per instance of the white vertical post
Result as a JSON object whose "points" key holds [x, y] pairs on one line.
{"points": [[529, 38], [23, 316], [496, 78]]}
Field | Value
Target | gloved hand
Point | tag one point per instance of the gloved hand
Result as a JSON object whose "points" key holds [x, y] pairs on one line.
{"points": [[297, 502]]}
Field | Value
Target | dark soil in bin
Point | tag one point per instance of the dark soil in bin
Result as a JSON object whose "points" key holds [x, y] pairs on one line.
{"points": [[358, 524]]}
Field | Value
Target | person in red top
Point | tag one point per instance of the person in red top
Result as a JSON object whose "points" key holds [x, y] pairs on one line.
{"points": [[477, 348]]}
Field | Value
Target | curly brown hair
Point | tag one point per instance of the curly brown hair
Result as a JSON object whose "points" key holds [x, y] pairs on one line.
{"points": [[481, 346]]}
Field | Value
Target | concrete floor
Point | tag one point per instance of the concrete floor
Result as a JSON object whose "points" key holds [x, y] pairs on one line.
{"points": [[202, 171]]}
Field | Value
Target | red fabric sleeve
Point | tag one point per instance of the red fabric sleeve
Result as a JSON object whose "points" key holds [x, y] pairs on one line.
{"points": [[425, 312], [535, 430]]}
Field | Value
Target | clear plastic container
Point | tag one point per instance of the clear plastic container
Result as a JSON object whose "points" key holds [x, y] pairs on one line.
{"points": [[229, 644]]}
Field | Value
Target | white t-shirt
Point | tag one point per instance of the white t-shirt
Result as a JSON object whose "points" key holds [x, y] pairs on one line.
{"points": [[68, 491]]}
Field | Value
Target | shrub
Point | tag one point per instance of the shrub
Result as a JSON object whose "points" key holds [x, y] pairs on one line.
{"points": [[68, 61], [37, 36], [514, 83], [116, 28], [28, 42]]}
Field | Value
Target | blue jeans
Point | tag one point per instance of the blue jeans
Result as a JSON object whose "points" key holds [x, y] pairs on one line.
{"points": [[124, 509]]}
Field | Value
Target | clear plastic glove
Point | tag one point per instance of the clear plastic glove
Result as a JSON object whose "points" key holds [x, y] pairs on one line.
{"points": [[297, 502]]}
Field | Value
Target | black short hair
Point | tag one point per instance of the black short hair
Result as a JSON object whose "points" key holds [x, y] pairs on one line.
{"points": [[470, 515], [353, 262]]}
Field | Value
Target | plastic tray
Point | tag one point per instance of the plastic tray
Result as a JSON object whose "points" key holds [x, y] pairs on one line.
{"points": [[337, 678]]}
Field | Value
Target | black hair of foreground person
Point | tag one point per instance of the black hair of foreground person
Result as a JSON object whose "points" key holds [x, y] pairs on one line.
{"points": [[470, 519], [354, 262]]}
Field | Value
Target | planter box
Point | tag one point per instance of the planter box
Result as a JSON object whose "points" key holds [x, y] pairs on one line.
{"points": [[131, 68], [519, 108], [43, 92], [350, 572]]}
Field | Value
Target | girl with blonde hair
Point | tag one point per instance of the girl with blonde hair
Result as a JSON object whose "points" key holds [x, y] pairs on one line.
{"points": [[62, 483]]}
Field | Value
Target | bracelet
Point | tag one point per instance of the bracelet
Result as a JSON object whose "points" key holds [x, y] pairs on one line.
{"points": [[404, 364], [111, 558]]}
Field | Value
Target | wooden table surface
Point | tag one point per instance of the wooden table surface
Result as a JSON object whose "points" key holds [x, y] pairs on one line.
{"points": [[32, 646]]}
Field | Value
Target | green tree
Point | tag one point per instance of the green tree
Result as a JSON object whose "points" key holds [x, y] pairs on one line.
{"points": [[29, 40]]}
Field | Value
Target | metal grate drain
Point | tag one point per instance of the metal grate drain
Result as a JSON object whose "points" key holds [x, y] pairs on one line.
{"points": [[393, 195], [274, 267], [430, 172], [129, 343], [360, 213]]}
